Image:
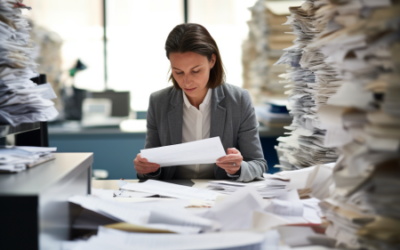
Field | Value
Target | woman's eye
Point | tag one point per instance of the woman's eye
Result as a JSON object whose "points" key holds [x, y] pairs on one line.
{"points": [[179, 73], [196, 71]]}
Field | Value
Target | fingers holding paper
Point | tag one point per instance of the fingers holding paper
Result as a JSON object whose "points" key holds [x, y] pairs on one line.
{"points": [[143, 166], [232, 162]]}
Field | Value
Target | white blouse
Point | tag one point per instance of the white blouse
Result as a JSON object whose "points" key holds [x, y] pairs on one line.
{"points": [[196, 126]]}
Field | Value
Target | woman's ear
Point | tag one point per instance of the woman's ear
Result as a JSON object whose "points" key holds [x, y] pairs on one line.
{"points": [[213, 60]]}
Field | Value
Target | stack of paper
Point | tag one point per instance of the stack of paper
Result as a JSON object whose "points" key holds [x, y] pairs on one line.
{"points": [[362, 119], [16, 159], [270, 187], [311, 81], [21, 100], [263, 48]]}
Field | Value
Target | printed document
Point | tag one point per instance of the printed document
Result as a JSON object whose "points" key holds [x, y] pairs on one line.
{"points": [[205, 151]]}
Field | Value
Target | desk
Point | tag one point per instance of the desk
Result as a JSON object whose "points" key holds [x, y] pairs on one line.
{"points": [[34, 210], [112, 184]]}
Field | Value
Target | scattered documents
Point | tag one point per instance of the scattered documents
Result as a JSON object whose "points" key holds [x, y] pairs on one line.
{"points": [[167, 225], [171, 190], [205, 151], [21, 100], [16, 159], [168, 215], [236, 211], [269, 187]]}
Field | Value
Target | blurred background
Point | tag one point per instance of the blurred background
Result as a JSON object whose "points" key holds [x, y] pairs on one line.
{"points": [[105, 57]]}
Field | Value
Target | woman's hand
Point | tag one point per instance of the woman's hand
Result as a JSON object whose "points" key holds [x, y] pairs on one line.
{"points": [[143, 166], [232, 162]]}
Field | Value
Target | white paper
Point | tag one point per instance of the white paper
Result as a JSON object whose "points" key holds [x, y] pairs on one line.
{"points": [[336, 137], [285, 208], [296, 236], [267, 221], [352, 94], [205, 151], [169, 212], [298, 178], [171, 190], [236, 211], [117, 211], [114, 239]]}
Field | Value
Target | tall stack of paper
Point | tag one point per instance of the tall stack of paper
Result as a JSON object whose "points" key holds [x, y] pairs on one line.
{"points": [[362, 43], [311, 81], [263, 48], [21, 100]]}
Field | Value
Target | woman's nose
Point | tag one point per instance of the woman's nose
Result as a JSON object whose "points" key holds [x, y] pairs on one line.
{"points": [[186, 79]]}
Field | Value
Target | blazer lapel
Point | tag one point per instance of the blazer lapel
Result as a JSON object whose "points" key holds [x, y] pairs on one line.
{"points": [[218, 113], [218, 118], [175, 117]]}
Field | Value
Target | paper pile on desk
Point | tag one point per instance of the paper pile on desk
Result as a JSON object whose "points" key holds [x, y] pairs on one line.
{"points": [[311, 81], [171, 190], [270, 187], [238, 214], [167, 215], [205, 151], [16, 159], [362, 119], [21, 100]]}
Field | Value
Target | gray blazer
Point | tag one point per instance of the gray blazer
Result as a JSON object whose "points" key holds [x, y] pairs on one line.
{"points": [[232, 119]]}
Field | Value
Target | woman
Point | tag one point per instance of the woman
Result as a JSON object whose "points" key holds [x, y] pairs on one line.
{"points": [[200, 105]]}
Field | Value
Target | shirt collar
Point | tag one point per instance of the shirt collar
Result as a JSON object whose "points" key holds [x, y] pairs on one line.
{"points": [[206, 100]]}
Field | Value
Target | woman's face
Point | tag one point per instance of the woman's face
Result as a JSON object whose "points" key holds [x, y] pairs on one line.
{"points": [[191, 71]]}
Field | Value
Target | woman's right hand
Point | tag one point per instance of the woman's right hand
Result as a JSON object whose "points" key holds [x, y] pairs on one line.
{"points": [[143, 166]]}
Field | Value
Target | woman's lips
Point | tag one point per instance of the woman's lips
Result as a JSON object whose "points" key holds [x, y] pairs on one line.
{"points": [[189, 90]]}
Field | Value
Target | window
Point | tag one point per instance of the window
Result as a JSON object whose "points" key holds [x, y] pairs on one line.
{"points": [[136, 31], [79, 23], [226, 22]]}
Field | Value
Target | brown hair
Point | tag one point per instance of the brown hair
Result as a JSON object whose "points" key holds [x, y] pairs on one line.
{"points": [[192, 37]]}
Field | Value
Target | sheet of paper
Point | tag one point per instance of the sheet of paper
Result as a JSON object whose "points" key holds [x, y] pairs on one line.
{"points": [[174, 241], [171, 190], [171, 212], [292, 195], [236, 211], [285, 208], [112, 194], [298, 178], [113, 210], [267, 221], [205, 151], [295, 236], [337, 136]]}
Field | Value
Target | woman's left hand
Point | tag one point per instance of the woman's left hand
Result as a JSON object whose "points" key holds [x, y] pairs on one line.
{"points": [[232, 162]]}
